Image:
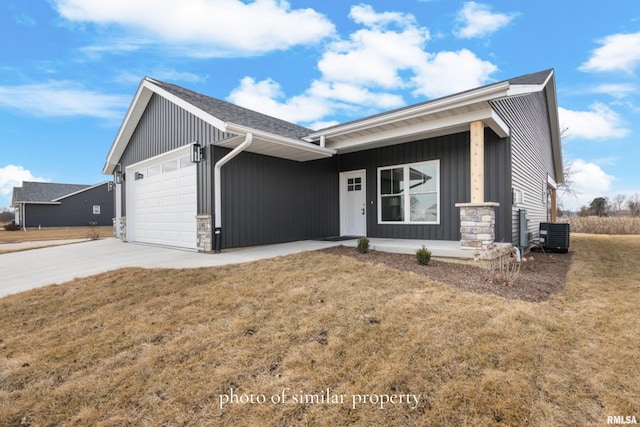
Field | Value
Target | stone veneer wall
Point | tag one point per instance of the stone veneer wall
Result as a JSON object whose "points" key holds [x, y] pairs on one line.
{"points": [[205, 237], [123, 228], [477, 225]]}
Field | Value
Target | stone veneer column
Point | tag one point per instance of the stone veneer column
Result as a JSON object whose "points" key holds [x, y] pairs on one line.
{"points": [[123, 228], [477, 225], [205, 241]]}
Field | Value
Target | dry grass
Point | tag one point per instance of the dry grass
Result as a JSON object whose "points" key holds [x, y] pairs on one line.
{"points": [[604, 225], [141, 347], [55, 233]]}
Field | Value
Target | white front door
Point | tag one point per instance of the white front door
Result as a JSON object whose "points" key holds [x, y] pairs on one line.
{"points": [[353, 203]]}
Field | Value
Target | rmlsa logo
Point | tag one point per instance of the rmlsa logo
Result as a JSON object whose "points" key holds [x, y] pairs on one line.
{"points": [[619, 419]]}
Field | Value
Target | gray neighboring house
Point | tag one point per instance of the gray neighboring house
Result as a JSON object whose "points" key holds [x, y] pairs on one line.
{"points": [[476, 167], [47, 204]]}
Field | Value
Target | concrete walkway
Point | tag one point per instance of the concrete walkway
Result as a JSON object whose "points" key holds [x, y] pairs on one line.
{"points": [[21, 271], [21, 246]]}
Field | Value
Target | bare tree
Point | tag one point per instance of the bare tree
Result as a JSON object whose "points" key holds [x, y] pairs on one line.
{"points": [[568, 172], [634, 205], [618, 201]]}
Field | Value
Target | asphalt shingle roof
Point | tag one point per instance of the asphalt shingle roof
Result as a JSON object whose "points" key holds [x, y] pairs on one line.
{"points": [[35, 192], [228, 112]]}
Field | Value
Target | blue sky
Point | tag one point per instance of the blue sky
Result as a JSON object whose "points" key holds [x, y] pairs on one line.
{"points": [[69, 70]]}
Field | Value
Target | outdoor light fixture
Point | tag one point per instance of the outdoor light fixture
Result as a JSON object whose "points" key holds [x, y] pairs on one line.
{"points": [[196, 153], [118, 175]]}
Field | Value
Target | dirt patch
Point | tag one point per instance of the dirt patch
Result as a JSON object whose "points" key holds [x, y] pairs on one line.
{"points": [[539, 279]]}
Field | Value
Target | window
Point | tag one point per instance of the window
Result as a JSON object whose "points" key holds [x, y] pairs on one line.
{"points": [[170, 166], [354, 184], [154, 170], [409, 194]]}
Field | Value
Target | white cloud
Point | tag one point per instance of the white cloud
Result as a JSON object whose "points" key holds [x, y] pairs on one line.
{"points": [[589, 181], [13, 176], [618, 52], [62, 98], [375, 55], [362, 74], [600, 122], [446, 73], [616, 90], [267, 97], [207, 28], [477, 20]]}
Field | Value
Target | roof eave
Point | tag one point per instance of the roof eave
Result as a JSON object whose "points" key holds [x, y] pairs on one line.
{"points": [[554, 124], [313, 150], [128, 126], [466, 98], [80, 191], [146, 89]]}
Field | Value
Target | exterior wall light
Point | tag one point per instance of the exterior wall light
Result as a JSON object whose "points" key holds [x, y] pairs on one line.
{"points": [[196, 153]]}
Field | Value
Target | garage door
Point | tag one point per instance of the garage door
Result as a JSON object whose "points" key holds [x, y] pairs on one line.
{"points": [[162, 201]]}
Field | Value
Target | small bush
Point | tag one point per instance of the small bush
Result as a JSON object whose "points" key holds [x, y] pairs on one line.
{"points": [[503, 264], [423, 255], [93, 233], [12, 226], [363, 245]]}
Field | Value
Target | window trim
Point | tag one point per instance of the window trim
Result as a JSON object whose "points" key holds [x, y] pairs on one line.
{"points": [[406, 167]]}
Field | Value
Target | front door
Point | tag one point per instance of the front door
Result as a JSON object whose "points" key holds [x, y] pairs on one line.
{"points": [[353, 208]]}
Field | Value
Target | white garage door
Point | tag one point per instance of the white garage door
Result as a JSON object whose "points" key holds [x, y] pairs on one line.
{"points": [[162, 200]]}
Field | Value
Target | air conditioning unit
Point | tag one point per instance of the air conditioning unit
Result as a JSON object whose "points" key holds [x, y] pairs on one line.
{"points": [[555, 236]]}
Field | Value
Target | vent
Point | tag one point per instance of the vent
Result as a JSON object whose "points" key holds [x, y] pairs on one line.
{"points": [[555, 236]]}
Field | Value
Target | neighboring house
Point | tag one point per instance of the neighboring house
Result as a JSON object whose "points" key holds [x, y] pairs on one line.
{"points": [[47, 204], [476, 167]]}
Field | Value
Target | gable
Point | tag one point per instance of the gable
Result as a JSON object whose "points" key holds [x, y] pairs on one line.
{"points": [[278, 138]]}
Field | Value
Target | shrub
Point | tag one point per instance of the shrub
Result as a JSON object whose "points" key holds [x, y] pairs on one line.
{"points": [[503, 264], [363, 245], [423, 255], [12, 226]]}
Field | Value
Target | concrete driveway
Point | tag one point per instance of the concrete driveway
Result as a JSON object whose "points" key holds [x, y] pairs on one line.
{"points": [[21, 271]]}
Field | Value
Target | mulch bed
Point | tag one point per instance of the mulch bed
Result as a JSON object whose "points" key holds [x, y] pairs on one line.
{"points": [[539, 279]]}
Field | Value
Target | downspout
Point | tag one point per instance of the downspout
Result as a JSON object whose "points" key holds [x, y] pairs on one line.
{"points": [[217, 189]]}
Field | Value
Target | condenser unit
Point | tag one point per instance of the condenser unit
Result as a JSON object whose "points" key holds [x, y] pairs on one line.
{"points": [[555, 236]]}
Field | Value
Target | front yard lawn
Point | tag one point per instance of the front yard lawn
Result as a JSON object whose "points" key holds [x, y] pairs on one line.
{"points": [[322, 339]]}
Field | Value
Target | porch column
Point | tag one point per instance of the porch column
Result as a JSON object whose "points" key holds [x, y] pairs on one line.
{"points": [[477, 218], [554, 204], [477, 161]]}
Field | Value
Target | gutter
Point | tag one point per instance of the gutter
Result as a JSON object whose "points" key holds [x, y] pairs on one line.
{"points": [[217, 189]]}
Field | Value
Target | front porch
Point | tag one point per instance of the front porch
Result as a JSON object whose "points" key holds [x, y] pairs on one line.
{"points": [[438, 248]]}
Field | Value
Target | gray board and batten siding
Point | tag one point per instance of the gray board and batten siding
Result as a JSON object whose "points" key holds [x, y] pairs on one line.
{"points": [[531, 155], [164, 127], [272, 200], [453, 151], [74, 210]]}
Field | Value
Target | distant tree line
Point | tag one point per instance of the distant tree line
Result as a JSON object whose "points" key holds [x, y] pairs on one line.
{"points": [[619, 205]]}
